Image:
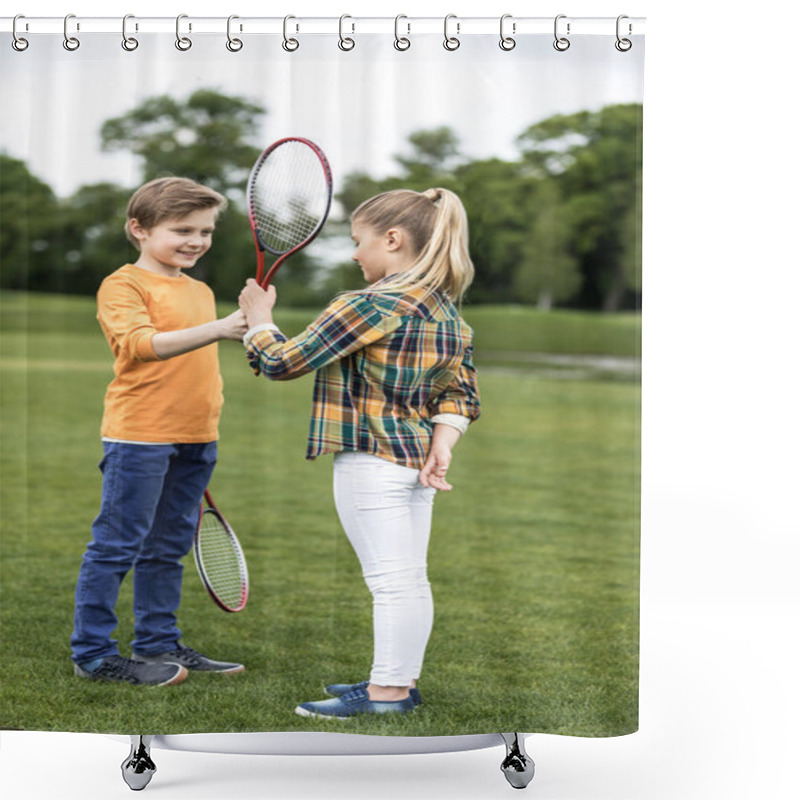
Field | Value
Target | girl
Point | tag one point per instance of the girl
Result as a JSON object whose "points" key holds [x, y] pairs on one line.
{"points": [[395, 388]]}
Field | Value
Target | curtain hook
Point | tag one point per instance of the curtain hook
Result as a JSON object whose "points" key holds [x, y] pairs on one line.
{"points": [[623, 45], [507, 42], [234, 45], [18, 43], [345, 42], [561, 43], [182, 42], [129, 43], [401, 43], [70, 42], [290, 45], [451, 42]]}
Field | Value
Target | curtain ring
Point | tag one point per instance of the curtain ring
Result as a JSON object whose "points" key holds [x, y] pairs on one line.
{"points": [[507, 42], [70, 42], [234, 45], [289, 45], [561, 43], [18, 43], [345, 42], [451, 42], [401, 43], [129, 43], [623, 45], [182, 42]]}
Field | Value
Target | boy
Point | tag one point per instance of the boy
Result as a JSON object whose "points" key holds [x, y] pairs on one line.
{"points": [[159, 434]]}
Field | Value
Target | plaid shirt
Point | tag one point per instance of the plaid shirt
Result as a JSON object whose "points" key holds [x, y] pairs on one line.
{"points": [[386, 364]]}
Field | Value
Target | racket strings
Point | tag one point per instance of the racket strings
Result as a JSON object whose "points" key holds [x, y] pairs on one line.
{"points": [[221, 561], [289, 196]]}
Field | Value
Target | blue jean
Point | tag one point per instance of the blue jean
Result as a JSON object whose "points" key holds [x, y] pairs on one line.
{"points": [[148, 514]]}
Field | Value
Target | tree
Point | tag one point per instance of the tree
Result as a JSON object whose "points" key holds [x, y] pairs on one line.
{"points": [[548, 271], [497, 196], [358, 186], [29, 212], [204, 138], [434, 153], [595, 159]]}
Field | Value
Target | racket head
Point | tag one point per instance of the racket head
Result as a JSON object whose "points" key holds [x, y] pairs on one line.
{"points": [[289, 194], [220, 560]]}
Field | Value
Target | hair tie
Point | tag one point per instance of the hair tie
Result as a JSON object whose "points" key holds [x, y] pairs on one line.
{"points": [[433, 194]]}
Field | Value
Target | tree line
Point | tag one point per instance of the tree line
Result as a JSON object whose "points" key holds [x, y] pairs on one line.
{"points": [[557, 227]]}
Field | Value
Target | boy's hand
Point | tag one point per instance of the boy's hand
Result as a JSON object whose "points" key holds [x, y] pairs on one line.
{"points": [[234, 326], [175, 343], [257, 303]]}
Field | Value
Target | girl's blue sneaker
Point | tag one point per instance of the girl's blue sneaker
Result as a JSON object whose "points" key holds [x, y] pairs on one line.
{"points": [[338, 689], [353, 703]]}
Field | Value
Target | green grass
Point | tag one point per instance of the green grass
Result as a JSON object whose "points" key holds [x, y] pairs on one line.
{"points": [[533, 562]]}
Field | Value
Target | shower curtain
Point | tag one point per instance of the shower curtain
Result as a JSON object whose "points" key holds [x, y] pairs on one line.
{"points": [[533, 557]]}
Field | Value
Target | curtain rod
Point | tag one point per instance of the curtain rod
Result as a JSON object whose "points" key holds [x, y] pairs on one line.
{"points": [[346, 25]]}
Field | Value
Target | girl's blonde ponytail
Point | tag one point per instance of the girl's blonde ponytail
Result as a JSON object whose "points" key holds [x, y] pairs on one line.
{"points": [[437, 224]]}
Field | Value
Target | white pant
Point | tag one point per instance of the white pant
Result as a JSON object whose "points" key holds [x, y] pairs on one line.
{"points": [[386, 513]]}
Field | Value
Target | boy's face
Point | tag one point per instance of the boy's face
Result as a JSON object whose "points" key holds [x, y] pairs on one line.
{"points": [[175, 244]]}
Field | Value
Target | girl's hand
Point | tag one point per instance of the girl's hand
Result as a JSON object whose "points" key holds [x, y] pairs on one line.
{"points": [[257, 303], [436, 465], [433, 473]]}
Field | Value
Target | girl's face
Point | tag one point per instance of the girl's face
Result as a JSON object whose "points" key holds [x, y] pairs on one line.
{"points": [[372, 252], [175, 244]]}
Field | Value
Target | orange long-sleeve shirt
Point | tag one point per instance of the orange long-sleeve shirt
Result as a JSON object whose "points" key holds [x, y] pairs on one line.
{"points": [[177, 400]]}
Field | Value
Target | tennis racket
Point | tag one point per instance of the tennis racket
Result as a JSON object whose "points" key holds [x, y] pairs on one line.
{"points": [[288, 199], [219, 559]]}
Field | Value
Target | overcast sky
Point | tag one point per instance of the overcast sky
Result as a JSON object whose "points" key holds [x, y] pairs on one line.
{"points": [[54, 101]]}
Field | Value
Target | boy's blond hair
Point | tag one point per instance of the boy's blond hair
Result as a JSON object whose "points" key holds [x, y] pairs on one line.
{"points": [[168, 198]]}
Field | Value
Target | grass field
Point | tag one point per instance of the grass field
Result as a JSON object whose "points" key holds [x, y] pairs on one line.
{"points": [[533, 562]]}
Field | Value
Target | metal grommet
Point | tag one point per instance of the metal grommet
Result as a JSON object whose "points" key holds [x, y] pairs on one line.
{"points": [[289, 44], [561, 43], [234, 45], [70, 42], [401, 42], [129, 43], [18, 43], [623, 45], [506, 42], [182, 42], [451, 42], [345, 42]]}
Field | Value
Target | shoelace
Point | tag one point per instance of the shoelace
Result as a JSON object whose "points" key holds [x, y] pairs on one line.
{"points": [[355, 696], [117, 667], [187, 655]]}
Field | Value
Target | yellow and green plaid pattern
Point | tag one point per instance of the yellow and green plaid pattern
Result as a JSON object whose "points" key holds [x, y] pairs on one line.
{"points": [[385, 364]]}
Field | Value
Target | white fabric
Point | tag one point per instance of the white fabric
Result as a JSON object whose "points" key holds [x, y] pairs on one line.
{"points": [[386, 513]]}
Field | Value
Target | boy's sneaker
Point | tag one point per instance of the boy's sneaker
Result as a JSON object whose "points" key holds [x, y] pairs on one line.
{"points": [[125, 670], [191, 660], [352, 704], [338, 689]]}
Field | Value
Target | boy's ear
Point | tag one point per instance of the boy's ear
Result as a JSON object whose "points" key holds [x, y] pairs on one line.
{"points": [[136, 229]]}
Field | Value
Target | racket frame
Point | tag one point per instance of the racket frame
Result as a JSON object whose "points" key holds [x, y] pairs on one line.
{"points": [[211, 508], [263, 279]]}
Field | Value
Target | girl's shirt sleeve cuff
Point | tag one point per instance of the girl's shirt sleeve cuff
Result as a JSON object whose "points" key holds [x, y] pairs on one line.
{"points": [[266, 326], [453, 420]]}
